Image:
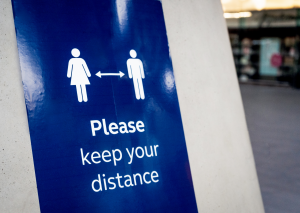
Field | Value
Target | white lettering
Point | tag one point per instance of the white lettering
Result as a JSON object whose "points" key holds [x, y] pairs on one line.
{"points": [[104, 127], [134, 177], [114, 156], [156, 146], [106, 156], [94, 129], [100, 185], [140, 125], [93, 157], [112, 183], [84, 158], [112, 127], [123, 128], [154, 174], [128, 181], [144, 177], [130, 125], [136, 152], [130, 155]]}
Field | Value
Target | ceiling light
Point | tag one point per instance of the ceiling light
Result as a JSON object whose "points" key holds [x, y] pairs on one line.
{"points": [[238, 15], [259, 4]]}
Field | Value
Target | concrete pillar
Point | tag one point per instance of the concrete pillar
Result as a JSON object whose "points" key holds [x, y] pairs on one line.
{"points": [[214, 123], [18, 192]]}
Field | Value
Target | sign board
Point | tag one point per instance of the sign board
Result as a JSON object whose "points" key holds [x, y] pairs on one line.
{"points": [[269, 47], [103, 112]]}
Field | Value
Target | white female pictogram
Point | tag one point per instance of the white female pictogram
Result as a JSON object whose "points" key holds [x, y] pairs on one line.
{"points": [[79, 73]]}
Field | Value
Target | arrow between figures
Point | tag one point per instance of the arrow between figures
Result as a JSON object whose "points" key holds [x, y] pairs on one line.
{"points": [[99, 74]]}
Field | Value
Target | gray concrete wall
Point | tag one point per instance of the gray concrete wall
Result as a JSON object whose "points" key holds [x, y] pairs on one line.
{"points": [[217, 138], [18, 192]]}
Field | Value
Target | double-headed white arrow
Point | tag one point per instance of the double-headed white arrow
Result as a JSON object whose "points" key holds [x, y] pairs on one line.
{"points": [[99, 74]]}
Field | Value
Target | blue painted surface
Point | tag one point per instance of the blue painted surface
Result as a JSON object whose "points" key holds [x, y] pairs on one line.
{"points": [[104, 32]]}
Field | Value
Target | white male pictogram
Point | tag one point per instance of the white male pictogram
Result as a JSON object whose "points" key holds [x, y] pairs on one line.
{"points": [[136, 72]]}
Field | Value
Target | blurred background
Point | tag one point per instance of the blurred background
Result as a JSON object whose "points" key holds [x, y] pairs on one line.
{"points": [[265, 42]]}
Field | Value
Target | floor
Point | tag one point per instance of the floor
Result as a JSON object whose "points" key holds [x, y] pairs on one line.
{"points": [[273, 119]]}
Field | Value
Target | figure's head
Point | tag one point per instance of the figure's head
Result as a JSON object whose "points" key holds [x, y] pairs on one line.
{"points": [[75, 52], [132, 53]]}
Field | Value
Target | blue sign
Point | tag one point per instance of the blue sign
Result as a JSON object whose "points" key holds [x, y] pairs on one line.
{"points": [[102, 106]]}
